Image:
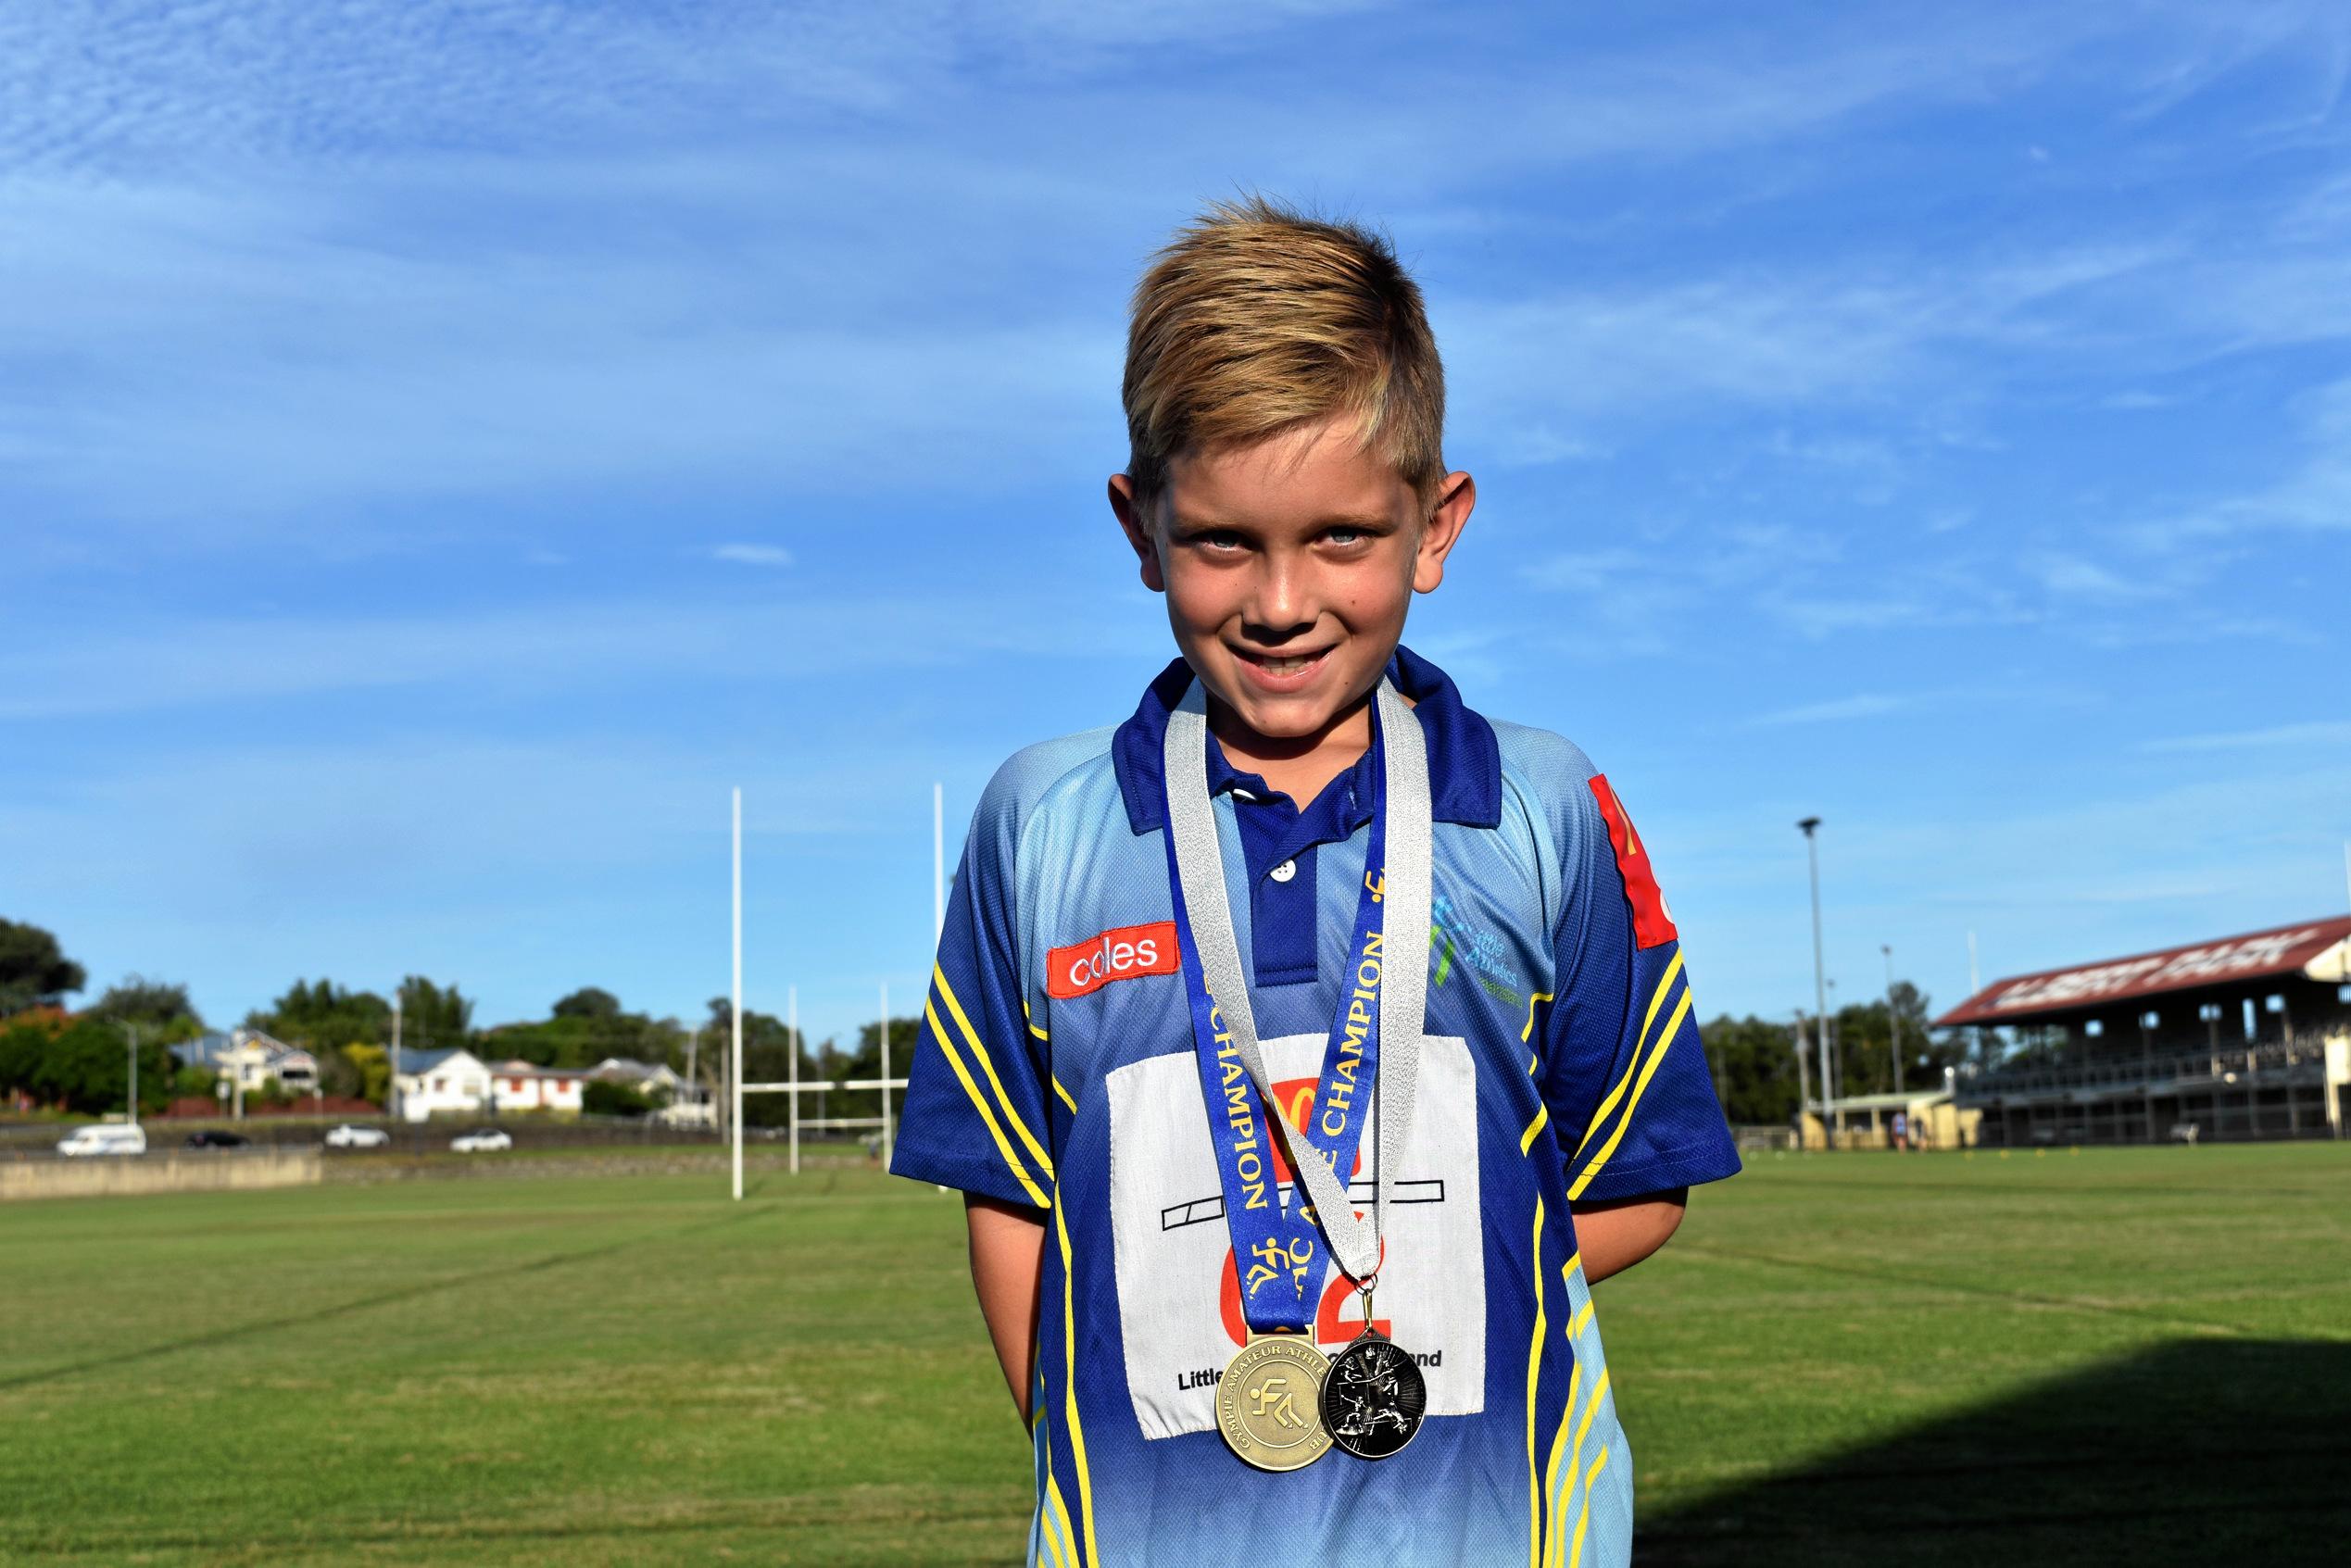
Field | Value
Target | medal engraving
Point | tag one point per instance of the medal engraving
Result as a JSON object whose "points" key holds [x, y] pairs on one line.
{"points": [[1373, 1397], [1269, 1405]]}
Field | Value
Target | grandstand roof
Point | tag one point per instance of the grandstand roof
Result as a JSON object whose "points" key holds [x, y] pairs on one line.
{"points": [[2319, 949]]}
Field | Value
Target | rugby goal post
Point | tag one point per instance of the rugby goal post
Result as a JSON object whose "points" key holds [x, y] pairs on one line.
{"points": [[792, 1088]]}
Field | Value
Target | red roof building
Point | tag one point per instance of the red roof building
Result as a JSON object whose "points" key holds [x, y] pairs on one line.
{"points": [[2316, 951], [2244, 1036]]}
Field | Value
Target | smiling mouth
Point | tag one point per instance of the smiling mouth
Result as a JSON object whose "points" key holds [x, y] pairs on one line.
{"points": [[1282, 664]]}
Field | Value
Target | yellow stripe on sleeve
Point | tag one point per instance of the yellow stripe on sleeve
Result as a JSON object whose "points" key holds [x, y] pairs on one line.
{"points": [[979, 1051], [1529, 1033], [1527, 1138], [1059, 1536], [1583, 1520], [1064, 1094], [1656, 1055], [979, 1103], [1092, 1554], [1574, 1465], [1534, 1369], [1656, 1000], [1550, 1470]]}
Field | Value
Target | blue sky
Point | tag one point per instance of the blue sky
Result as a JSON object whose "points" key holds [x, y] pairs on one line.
{"points": [[442, 449]]}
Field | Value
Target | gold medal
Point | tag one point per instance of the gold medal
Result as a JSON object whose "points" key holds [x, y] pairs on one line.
{"points": [[1270, 1404]]}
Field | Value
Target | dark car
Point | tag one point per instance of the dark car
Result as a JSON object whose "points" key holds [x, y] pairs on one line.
{"points": [[214, 1138]]}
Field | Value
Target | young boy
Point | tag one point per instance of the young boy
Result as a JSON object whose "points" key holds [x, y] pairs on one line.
{"points": [[1305, 872]]}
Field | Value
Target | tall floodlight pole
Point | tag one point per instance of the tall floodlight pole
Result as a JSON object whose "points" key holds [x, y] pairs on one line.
{"points": [[792, 1077], [392, 1083], [734, 1011], [132, 1031], [939, 863], [1894, 1021], [886, 1075], [1819, 971]]}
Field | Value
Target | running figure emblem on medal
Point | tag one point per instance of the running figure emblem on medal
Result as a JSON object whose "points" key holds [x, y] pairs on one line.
{"points": [[1269, 1405], [1374, 1395]]}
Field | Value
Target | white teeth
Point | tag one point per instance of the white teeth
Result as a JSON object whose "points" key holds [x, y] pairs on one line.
{"points": [[1284, 666]]}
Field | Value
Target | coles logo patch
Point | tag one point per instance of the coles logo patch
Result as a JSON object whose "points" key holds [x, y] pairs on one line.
{"points": [[1121, 954], [1653, 921]]}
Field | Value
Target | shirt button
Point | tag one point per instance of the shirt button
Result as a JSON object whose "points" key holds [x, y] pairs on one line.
{"points": [[1284, 871]]}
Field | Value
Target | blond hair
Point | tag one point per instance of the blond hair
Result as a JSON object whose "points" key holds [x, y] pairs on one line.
{"points": [[1257, 318]]}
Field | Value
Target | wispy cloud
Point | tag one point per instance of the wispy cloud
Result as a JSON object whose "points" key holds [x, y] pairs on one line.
{"points": [[1865, 705], [2321, 732], [752, 555]]}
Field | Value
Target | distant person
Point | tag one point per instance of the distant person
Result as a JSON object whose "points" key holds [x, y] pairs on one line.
{"points": [[1104, 1032], [1900, 1138]]}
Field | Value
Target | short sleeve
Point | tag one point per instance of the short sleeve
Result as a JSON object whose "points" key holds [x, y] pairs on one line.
{"points": [[974, 1116], [1622, 1071]]}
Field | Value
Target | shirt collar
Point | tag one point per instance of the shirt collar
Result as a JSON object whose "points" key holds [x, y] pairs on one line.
{"points": [[1465, 757]]}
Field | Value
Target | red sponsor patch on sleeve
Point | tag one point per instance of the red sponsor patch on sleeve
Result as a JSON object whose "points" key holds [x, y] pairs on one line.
{"points": [[1653, 921], [1130, 951]]}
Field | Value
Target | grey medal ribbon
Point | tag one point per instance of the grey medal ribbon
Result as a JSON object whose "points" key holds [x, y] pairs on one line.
{"points": [[1404, 923]]}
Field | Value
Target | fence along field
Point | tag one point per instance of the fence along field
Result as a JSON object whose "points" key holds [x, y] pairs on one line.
{"points": [[2136, 1353]]}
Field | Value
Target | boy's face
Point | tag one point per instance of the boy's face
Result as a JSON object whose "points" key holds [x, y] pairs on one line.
{"points": [[1287, 567]]}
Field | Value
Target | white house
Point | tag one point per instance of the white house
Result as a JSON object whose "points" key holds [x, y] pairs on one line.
{"points": [[684, 1104], [250, 1058], [518, 1086], [444, 1083]]}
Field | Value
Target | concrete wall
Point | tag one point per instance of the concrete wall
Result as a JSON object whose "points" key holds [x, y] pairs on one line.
{"points": [[170, 1170]]}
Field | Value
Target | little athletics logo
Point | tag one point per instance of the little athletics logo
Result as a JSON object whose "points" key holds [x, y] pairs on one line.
{"points": [[1209, 1376]]}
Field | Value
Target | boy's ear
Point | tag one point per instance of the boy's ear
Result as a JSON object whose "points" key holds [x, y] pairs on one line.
{"points": [[1457, 497], [1137, 526]]}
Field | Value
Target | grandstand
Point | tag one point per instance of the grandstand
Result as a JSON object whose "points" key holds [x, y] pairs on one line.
{"points": [[2242, 1039]]}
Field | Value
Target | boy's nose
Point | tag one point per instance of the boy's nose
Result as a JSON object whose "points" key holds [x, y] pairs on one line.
{"points": [[1277, 603]]}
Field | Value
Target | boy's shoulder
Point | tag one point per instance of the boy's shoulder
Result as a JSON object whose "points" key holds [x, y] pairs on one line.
{"points": [[1541, 760], [1027, 779]]}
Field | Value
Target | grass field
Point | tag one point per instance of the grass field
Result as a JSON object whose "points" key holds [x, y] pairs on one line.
{"points": [[2132, 1355]]}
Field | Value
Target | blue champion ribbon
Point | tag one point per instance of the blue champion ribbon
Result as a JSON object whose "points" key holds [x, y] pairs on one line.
{"points": [[1275, 1249]]}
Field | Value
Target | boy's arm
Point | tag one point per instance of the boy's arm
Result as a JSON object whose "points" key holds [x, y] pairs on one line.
{"points": [[1633, 1104], [1008, 1262], [1614, 1236]]}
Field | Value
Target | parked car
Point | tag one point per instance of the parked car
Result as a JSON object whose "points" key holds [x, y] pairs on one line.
{"points": [[214, 1137], [488, 1138], [350, 1136], [105, 1137]]}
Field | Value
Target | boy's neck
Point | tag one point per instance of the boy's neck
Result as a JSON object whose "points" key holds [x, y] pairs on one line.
{"points": [[1299, 766]]}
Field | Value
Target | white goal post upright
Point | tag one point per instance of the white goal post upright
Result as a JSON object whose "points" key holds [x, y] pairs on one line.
{"points": [[792, 1078]]}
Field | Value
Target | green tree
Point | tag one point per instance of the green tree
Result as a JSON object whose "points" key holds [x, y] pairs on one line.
{"points": [[603, 1096], [24, 1045], [34, 970], [589, 1001], [153, 1005], [435, 1016], [1865, 1040], [866, 1063], [371, 1066], [323, 1017], [86, 1068], [1753, 1063]]}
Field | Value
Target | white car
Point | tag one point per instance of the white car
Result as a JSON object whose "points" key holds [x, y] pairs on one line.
{"points": [[481, 1142], [104, 1137], [350, 1136]]}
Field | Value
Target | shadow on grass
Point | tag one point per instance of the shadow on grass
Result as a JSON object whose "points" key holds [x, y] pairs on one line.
{"points": [[2193, 1452]]}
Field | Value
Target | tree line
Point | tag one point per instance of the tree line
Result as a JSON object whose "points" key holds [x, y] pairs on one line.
{"points": [[80, 1061]]}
